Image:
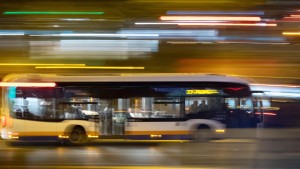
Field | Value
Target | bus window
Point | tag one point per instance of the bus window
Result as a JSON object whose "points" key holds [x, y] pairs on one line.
{"points": [[206, 106], [149, 107], [140, 107], [32, 108], [166, 107], [239, 103], [79, 107]]}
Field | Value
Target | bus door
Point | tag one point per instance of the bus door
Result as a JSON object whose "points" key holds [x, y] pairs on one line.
{"points": [[264, 110], [112, 116], [105, 116]]}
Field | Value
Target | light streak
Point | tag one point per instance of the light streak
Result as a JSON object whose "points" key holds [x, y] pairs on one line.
{"points": [[295, 16], [204, 24], [271, 85], [209, 18], [156, 23], [226, 24], [50, 13], [12, 33], [269, 114], [26, 84], [88, 67], [39, 64], [215, 13], [255, 43], [98, 35], [169, 32], [270, 77], [185, 42], [75, 19], [291, 33]]}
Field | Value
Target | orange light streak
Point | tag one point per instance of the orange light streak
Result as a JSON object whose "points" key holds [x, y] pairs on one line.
{"points": [[295, 16], [271, 85], [210, 18], [226, 24], [291, 33], [291, 18]]}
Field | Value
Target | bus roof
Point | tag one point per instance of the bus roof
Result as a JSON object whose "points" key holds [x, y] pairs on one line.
{"points": [[137, 77]]}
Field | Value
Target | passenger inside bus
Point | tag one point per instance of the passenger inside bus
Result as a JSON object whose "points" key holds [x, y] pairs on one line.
{"points": [[203, 106], [194, 108]]}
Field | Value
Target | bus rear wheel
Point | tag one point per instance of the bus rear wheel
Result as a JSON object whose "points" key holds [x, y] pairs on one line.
{"points": [[202, 133], [77, 136]]}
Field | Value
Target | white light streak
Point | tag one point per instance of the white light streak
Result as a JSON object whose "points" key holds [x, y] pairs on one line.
{"points": [[12, 33], [156, 23], [92, 49], [211, 18], [176, 33], [98, 35], [26, 84], [226, 24], [187, 43], [204, 24], [288, 91]]}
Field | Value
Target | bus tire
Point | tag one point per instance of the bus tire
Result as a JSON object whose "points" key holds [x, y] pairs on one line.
{"points": [[202, 133], [77, 136]]}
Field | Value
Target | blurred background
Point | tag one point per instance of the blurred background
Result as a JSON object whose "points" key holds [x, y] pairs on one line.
{"points": [[258, 39], [255, 39]]}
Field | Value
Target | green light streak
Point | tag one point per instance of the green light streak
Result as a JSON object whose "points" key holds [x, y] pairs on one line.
{"points": [[50, 13]]}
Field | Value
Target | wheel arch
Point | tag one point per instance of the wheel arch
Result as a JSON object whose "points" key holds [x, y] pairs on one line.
{"points": [[70, 127], [200, 125]]}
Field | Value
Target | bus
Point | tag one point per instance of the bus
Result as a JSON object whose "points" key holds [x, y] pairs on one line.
{"points": [[147, 106]]}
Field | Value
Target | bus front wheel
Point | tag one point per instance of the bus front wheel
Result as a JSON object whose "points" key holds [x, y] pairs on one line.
{"points": [[77, 136]]}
